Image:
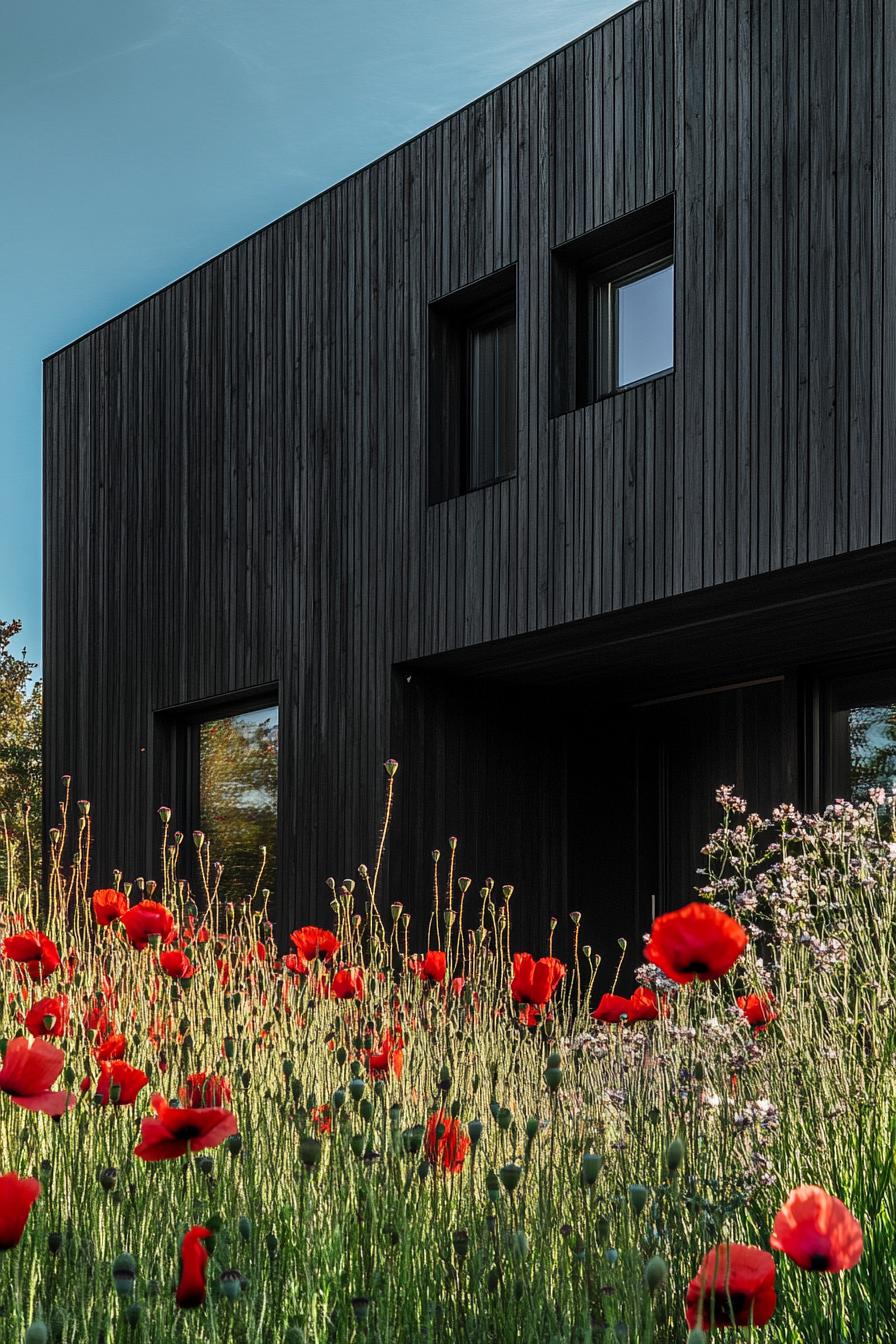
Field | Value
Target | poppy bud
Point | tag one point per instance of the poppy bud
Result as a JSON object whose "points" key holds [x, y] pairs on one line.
{"points": [[460, 1240], [356, 1143], [295, 1088], [637, 1197], [444, 1078], [553, 1079], [611, 1255], [412, 1139], [54, 1243], [356, 1088], [234, 1145], [675, 1154], [591, 1165], [341, 1055], [493, 1279], [124, 1272], [510, 1175], [531, 1127], [395, 1114], [205, 1165], [244, 1227], [37, 1333], [366, 1109], [503, 1118], [493, 1186], [133, 1313], [656, 1273], [338, 1098], [309, 1152], [229, 1047], [474, 1129]]}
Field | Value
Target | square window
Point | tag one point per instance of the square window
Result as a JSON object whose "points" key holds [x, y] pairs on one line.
{"points": [[613, 307], [473, 387]]}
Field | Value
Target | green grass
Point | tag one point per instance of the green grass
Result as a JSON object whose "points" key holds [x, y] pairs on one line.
{"points": [[370, 1242]]}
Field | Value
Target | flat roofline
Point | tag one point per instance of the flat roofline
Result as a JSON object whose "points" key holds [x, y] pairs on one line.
{"points": [[418, 135]]}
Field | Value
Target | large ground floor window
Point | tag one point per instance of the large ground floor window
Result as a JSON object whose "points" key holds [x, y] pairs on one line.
{"points": [[238, 795]]}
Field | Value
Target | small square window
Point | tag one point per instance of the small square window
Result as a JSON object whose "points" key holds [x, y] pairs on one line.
{"points": [[613, 311], [473, 387]]}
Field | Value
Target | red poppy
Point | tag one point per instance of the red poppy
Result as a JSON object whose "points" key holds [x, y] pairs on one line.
{"points": [[17, 1195], [176, 1130], [735, 1285], [643, 1006], [177, 965], [48, 1017], [312, 942], [223, 966], [145, 920], [129, 1081], [321, 1118], [347, 983], [29, 1070], [389, 1055], [817, 1231], [697, 942], [535, 981], [193, 1259], [35, 951], [109, 905], [204, 1089], [294, 963], [97, 1016], [113, 1047], [446, 1144], [430, 968], [757, 1009]]}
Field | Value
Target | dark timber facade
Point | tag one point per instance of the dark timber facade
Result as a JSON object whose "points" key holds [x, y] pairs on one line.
{"points": [[252, 490]]}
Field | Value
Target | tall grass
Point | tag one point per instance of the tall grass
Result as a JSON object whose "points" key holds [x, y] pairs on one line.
{"points": [[660, 1138]]}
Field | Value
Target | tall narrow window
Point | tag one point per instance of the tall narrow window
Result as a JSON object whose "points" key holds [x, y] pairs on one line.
{"points": [[492, 401], [473, 386], [238, 796], [643, 324], [872, 749]]}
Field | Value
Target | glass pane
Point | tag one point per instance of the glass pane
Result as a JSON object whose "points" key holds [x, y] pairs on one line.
{"points": [[644, 326], [238, 796], [492, 403], [872, 749]]}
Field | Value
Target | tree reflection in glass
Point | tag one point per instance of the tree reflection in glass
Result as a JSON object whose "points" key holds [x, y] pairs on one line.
{"points": [[238, 796]]}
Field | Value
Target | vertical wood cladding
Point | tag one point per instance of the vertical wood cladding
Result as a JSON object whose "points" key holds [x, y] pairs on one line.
{"points": [[236, 486]]}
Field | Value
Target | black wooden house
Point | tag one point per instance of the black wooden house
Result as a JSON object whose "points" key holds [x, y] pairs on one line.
{"points": [[553, 454]]}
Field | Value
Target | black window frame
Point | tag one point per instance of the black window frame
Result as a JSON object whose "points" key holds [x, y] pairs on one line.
{"points": [[586, 275], [454, 322]]}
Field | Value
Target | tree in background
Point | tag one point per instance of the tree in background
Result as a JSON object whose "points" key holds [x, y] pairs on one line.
{"points": [[238, 796], [20, 745]]}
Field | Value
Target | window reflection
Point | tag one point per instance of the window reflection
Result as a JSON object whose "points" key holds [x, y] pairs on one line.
{"points": [[872, 749], [644, 325], [238, 796]]}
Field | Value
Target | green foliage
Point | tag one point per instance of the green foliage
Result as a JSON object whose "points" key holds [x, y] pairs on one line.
{"points": [[20, 756]]}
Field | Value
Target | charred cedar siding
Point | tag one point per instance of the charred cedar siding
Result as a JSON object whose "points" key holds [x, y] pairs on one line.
{"points": [[235, 468]]}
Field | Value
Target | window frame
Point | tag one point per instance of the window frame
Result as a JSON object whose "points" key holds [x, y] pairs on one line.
{"points": [[598, 343]]}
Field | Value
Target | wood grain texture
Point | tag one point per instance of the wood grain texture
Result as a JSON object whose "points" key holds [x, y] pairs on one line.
{"points": [[236, 469]]}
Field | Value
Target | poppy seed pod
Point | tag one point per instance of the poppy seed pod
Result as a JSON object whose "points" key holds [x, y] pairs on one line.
{"points": [[493, 1186], [338, 1098], [37, 1333], [234, 1145], [124, 1273], [205, 1165], [309, 1152], [133, 1313], [230, 1282], [553, 1078], [356, 1088], [504, 1118], [412, 1139], [591, 1165], [244, 1227], [531, 1127], [365, 1110], [637, 1197], [356, 1143], [460, 1240], [510, 1175], [474, 1129], [54, 1243]]}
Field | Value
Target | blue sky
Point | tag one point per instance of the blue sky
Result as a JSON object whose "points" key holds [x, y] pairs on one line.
{"points": [[140, 137]]}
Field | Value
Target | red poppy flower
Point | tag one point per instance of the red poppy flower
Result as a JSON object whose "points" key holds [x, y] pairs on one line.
{"points": [[113, 1047], [145, 920], [35, 951], [735, 1285], [223, 966], [643, 1006], [321, 1118], [817, 1231], [389, 1055], [177, 965], [446, 1144], [129, 1081], [347, 983], [294, 963], [176, 1130], [430, 968], [17, 1195], [535, 981], [697, 942], [312, 942], [29, 1070], [48, 1017], [193, 1259], [204, 1089], [109, 905], [757, 1009]]}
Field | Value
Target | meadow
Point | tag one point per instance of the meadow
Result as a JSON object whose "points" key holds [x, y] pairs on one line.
{"points": [[409, 1129]]}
